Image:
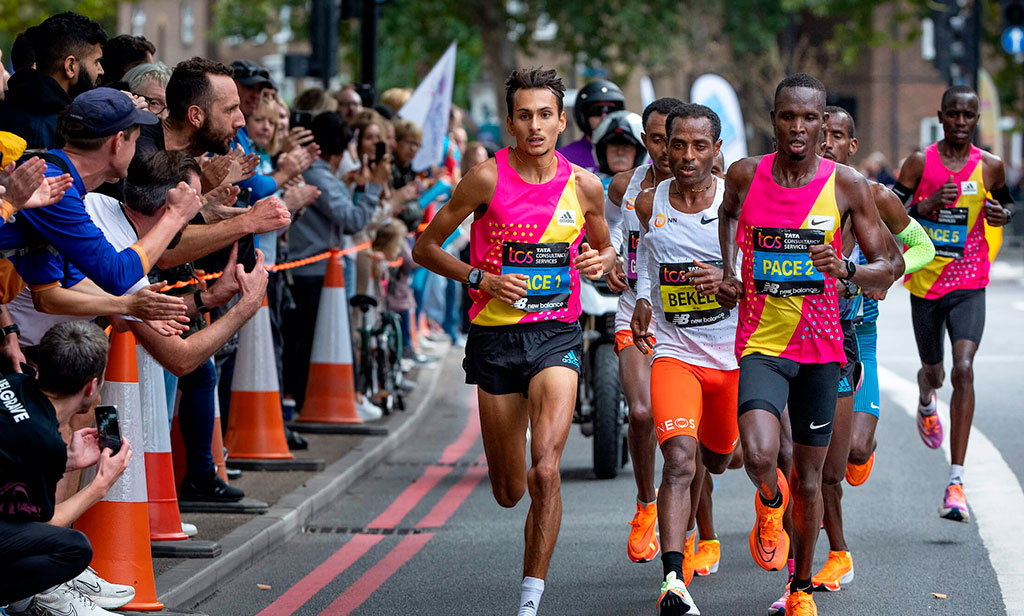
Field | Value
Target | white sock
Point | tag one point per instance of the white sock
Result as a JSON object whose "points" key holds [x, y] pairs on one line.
{"points": [[643, 504], [529, 596], [928, 409], [956, 473]]}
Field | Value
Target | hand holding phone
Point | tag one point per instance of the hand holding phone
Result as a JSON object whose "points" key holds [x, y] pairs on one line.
{"points": [[382, 149]]}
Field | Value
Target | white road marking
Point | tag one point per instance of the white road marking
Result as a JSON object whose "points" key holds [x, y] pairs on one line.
{"points": [[992, 489]]}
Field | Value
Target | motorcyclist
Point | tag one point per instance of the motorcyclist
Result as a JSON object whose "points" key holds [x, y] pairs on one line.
{"points": [[618, 145], [593, 102]]}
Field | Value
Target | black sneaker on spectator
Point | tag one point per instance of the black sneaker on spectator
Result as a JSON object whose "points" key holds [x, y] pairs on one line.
{"points": [[210, 488], [64, 600], [105, 594], [295, 442], [233, 474]]}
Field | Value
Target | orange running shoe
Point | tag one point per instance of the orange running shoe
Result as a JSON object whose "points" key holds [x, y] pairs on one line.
{"points": [[705, 561], [838, 570], [769, 542], [643, 543], [801, 603], [688, 553], [857, 474]]}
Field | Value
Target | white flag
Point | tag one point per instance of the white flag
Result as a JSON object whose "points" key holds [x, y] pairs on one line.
{"points": [[715, 92], [429, 107]]}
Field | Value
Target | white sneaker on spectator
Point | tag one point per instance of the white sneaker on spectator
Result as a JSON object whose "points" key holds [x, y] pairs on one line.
{"points": [[190, 530], [368, 411], [105, 594], [64, 600]]}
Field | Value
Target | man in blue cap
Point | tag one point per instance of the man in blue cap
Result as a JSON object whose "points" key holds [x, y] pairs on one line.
{"points": [[59, 242]]}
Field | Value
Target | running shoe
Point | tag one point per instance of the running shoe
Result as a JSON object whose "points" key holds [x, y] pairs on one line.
{"points": [[838, 570], [779, 607], [801, 603], [675, 600], [65, 600], [689, 549], [929, 426], [643, 542], [856, 474], [954, 505], [705, 561], [105, 594], [769, 542]]}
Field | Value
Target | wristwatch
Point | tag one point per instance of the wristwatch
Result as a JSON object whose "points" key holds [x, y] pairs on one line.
{"points": [[1009, 215], [200, 306], [10, 329], [475, 277], [851, 268], [852, 289]]}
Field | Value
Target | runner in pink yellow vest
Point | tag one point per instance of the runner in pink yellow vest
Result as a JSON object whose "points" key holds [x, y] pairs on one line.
{"points": [[952, 189], [530, 207], [784, 212]]}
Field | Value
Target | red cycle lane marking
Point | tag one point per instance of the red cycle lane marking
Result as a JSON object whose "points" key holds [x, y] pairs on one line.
{"points": [[356, 594], [455, 496], [462, 445], [296, 596]]}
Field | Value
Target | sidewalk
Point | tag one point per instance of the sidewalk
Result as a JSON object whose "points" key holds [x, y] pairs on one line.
{"points": [[293, 496]]}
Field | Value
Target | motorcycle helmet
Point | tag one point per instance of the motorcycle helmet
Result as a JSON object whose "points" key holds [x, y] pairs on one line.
{"points": [[618, 127], [598, 91]]}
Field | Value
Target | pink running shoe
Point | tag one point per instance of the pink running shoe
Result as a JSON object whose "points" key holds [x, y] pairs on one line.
{"points": [[779, 607], [929, 426], [954, 505]]}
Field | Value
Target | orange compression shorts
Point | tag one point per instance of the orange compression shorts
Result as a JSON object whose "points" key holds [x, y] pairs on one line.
{"points": [[624, 338], [688, 400]]}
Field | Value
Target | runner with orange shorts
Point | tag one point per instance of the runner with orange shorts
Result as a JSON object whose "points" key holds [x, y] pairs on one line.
{"points": [[694, 377]]}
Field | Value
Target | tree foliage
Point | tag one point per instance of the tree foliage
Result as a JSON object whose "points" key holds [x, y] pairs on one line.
{"points": [[17, 15]]}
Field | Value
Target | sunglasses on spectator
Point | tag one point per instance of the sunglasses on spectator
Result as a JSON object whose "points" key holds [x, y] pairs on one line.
{"points": [[600, 110]]}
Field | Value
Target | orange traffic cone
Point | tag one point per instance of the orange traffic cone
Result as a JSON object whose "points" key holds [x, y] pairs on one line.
{"points": [[217, 443], [330, 405], [118, 526], [164, 520], [255, 437]]}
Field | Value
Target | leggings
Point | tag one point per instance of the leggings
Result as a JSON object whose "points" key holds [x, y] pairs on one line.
{"points": [[38, 556]]}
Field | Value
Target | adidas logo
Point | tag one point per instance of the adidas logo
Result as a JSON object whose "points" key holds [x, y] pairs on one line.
{"points": [[571, 358], [567, 217], [529, 604]]}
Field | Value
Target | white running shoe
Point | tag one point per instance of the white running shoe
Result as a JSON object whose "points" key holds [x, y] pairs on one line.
{"points": [[65, 600], [368, 411], [105, 594], [190, 530]]}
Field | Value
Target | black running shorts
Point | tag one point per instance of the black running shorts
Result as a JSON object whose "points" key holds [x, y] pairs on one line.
{"points": [[847, 382], [770, 383], [502, 360], [961, 313]]}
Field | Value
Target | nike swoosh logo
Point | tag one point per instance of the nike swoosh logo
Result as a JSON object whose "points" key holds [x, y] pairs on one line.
{"points": [[765, 555], [816, 426], [819, 222], [95, 588], [705, 221], [874, 406]]}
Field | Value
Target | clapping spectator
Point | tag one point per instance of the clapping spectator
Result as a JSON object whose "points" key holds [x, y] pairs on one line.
{"points": [[150, 82]]}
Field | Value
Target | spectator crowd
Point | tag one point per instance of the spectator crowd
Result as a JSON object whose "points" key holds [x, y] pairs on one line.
{"points": [[122, 181]]}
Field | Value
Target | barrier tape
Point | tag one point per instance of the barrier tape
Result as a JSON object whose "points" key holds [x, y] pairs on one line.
{"points": [[279, 266]]}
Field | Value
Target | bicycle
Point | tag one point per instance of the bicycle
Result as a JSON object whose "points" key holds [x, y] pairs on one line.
{"points": [[379, 368]]}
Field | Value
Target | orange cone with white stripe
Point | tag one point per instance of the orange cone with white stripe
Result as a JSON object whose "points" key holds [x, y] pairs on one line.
{"points": [[164, 519], [330, 390], [118, 526], [217, 443], [256, 427]]}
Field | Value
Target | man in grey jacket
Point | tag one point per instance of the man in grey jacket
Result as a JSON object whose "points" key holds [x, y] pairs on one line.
{"points": [[329, 222]]}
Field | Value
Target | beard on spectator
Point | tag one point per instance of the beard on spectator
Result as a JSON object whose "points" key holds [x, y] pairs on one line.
{"points": [[208, 140], [84, 83]]}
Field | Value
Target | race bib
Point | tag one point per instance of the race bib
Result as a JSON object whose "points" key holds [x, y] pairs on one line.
{"points": [[631, 272], [948, 231], [683, 304], [546, 267], [782, 263]]}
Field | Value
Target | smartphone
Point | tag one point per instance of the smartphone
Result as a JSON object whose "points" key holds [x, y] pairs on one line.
{"points": [[247, 252], [300, 118], [382, 149], [244, 197], [108, 427]]}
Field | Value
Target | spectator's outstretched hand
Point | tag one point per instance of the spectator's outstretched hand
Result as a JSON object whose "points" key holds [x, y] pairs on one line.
{"points": [[111, 467], [298, 197], [218, 204], [215, 171], [295, 161], [28, 188], [269, 214], [169, 327], [226, 286], [243, 166], [11, 351], [149, 304], [253, 284], [297, 136], [183, 201]]}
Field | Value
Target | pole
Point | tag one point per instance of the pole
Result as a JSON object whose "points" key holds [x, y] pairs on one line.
{"points": [[368, 44]]}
